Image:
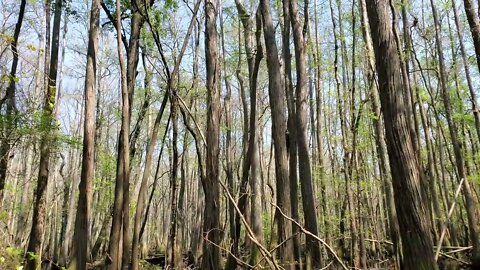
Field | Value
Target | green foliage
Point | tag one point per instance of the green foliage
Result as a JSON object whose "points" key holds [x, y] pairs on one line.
{"points": [[7, 38], [267, 228], [32, 47], [422, 92], [158, 17], [106, 164], [32, 256], [12, 251], [3, 215], [9, 78], [10, 258], [475, 178], [35, 126], [372, 116], [124, 6]]}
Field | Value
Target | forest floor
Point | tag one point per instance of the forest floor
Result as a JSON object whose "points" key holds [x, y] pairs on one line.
{"points": [[11, 258]]}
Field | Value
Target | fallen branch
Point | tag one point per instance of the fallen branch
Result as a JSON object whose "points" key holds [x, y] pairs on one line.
{"points": [[459, 249], [379, 241], [98, 263], [307, 232], [453, 258], [265, 253], [327, 266], [444, 226], [239, 261], [275, 248]]}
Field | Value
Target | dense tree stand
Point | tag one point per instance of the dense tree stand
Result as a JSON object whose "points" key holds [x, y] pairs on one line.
{"points": [[195, 134]]}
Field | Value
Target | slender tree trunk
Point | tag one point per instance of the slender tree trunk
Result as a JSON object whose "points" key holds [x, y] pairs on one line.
{"points": [[474, 23], [34, 255], [84, 212], [277, 104], [139, 212], [10, 100], [292, 129], [459, 160], [255, 181], [211, 216], [302, 106], [229, 145], [466, 66], [172, 236], [123, 161], [320, 126], [253, 64], [48, 42]]}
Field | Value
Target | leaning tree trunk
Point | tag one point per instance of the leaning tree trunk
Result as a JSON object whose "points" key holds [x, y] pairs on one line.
{"points": [[474, 23], [405, 168], [33, 254]]}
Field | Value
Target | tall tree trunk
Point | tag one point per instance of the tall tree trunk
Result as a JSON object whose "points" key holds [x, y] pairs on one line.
{"points": [[474, 23], [277, 100], [320, 126], [139, 212], [253, 64], [121, 220], [123, 161], [466, 66], [34, 255], [414, 228], [255, 181], [459, 160], [172, 251], [229, 145], [84, 212], [302, 107], [48, 42], [211, 216], [10, 100], [292, 129], [393, 231]]}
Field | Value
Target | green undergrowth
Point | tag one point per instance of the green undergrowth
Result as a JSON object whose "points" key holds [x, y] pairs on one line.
{"points": [[10, 257]]}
